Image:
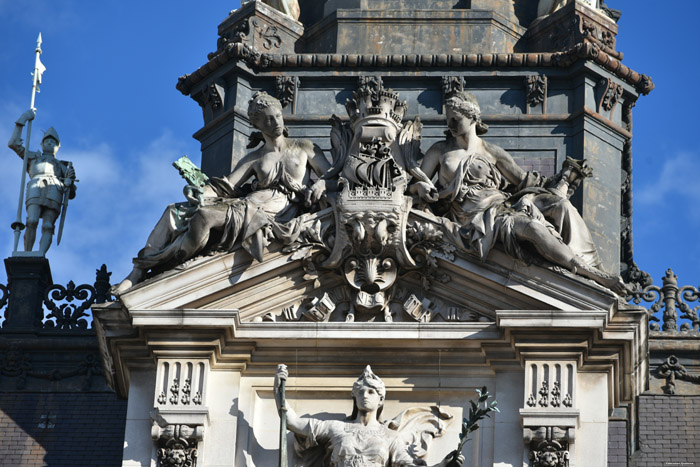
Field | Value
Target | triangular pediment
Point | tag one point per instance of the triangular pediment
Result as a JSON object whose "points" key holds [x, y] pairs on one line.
{"points": [[280, 289]]}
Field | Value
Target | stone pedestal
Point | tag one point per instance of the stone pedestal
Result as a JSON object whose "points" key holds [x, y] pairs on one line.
{"points": [[571, 25], [261, 27], [28, 278]]}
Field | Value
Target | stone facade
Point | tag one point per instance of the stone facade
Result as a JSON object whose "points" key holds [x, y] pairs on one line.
{"points": [[372, 278], [434, 330]]}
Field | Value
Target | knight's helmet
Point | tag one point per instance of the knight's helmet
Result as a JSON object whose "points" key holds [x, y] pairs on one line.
{"points": [[51, 133]]}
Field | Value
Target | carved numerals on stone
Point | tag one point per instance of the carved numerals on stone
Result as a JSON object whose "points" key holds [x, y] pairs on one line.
{"points": [[269, 35], [536, 92], [252, 31], [181, 383], [550, 384]]}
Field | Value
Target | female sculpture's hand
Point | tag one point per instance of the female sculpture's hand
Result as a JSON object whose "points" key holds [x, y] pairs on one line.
{"points": [[194, 195], [454, 459], [426, 191], [315, 193], [281, 375]]}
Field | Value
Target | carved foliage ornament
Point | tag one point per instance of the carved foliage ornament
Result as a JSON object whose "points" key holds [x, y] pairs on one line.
{"points": [[286, 89], [536, 90], [610, 95], [4, 296], [451, 85]]}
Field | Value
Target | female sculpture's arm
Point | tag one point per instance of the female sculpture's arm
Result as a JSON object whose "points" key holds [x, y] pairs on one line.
{"points": [[243, 170], [294, 422], [512, 172], [319, 164], [429, 165]]}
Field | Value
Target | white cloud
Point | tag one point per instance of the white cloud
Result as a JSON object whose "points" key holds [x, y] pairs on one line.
{"points": [[120, 198], [677, 179]]}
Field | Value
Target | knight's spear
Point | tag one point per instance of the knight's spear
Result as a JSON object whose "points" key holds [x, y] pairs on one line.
{"points": [[39, 69], [283, 422]]}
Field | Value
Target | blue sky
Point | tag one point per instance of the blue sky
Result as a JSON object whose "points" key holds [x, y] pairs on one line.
{"points": [[110, 91]]}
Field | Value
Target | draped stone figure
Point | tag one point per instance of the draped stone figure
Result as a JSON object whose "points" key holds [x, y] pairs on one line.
{"points": [[228, 211], [492, 200], [363, 440]]}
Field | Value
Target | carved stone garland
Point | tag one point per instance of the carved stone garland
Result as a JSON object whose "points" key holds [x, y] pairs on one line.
{"points": [[672, 369], [536, 91]]}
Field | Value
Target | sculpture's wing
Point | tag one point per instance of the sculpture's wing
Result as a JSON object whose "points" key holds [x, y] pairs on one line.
{"points": [[418, 426], [409, 145], [341, 139]]}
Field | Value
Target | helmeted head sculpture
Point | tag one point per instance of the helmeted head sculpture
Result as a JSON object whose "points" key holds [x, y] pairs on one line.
{"points": [[368, 380]]}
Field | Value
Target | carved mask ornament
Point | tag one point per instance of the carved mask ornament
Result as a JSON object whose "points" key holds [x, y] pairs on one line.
{"points": [[371, 209]]}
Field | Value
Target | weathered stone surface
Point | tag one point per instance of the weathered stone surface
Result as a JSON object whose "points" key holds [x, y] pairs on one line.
{"points": [[260, 27], [571, 25], [28, 278], [405, 31]]}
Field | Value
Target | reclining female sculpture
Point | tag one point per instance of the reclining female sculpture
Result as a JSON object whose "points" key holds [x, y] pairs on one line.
{"points": [[222, 214], [491, 199]]}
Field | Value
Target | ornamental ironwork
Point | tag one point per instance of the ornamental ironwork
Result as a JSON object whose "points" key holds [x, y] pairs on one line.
{"points": [[68, 306], [667, 301]]}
